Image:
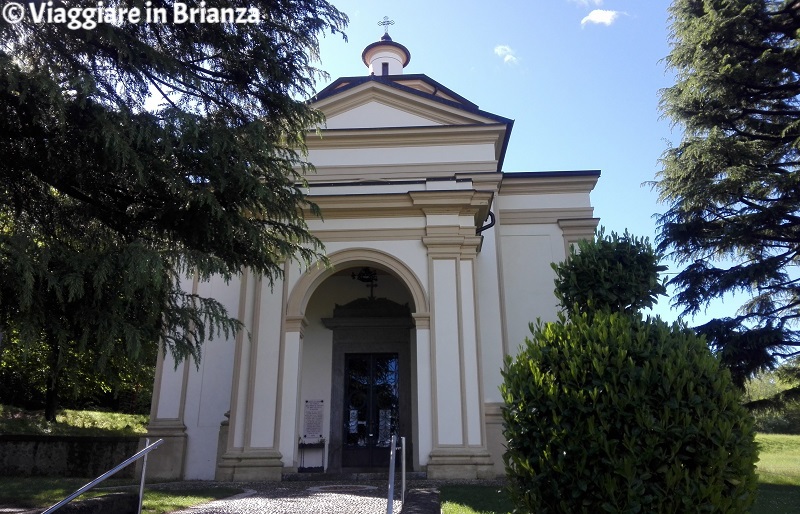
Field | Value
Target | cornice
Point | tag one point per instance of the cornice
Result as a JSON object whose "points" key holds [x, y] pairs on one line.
{"points": [[351, 173], [384, 137], [462, 202], [566, 182], [581, 228]]}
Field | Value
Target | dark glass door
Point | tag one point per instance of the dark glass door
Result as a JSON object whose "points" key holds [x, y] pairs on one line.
{"points": [[371, 408]]}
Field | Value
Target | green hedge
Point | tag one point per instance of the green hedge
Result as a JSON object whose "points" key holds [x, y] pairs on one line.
{"points": [[611, 413]]}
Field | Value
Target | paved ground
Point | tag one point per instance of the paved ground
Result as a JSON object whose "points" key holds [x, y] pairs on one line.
{"points": [[351, 497], [302, 498]]}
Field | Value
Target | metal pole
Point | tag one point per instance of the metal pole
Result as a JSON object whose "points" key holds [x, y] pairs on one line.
{"points": [[141, 482], [403, 468], [390, 501], [102, 477]]}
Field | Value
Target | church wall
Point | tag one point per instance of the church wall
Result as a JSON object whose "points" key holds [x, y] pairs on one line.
{"points": [[208, 391], [266, 370], [399, 156], [375, 114], [490, 324], [527, 279], [543, 201]]}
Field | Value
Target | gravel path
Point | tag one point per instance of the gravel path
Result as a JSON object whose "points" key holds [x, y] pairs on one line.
{"points": [[302, 498], [343, 497]]}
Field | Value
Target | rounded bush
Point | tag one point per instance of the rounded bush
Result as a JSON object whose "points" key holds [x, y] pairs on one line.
{"points": [[612, 413]]}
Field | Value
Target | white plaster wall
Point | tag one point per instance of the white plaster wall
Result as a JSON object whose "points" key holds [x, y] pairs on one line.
{"points": [[526, 253], [470, 355], [265, 390], [489, 321], [393, 56], [365, 224], [400, 156], [209, 389], [248, 282], [446, 353], [376, 114], [543, 201], [169, 399]]}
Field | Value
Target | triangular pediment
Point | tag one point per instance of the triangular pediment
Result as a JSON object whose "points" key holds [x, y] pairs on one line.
{"points": [[373, 103]]}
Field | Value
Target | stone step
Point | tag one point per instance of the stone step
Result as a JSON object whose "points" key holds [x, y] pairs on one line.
{"points": [[352, 476]]}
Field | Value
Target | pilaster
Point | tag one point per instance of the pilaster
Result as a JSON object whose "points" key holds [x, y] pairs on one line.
{"points": [[458, 440]]}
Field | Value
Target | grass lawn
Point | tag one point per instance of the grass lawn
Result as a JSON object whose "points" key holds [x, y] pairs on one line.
{"points": [[778, 477], [40, 492], [71, 422], [778, 474]]}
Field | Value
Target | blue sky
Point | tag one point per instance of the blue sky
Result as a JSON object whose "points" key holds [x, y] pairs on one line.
{"points": [[581, 79]]}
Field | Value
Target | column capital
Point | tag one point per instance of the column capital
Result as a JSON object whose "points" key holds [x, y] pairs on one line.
{"points": [[296, 324], [422, 319]]}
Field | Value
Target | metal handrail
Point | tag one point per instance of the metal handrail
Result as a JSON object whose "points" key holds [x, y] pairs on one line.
{"points": [[392, 450], [90, 485]]}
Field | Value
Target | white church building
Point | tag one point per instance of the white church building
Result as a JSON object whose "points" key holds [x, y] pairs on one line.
{"points": [[439, 260]]}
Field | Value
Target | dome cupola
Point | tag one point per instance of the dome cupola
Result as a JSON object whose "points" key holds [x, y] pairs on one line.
{"points": [[385, 57]]}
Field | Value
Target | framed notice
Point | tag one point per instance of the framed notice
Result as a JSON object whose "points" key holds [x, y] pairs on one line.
{"points": [[312, 421]]}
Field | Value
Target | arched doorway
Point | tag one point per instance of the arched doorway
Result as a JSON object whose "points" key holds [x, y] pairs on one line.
{"points": [[361, 344]]}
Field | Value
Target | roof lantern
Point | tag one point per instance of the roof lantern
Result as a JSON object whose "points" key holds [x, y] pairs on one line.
{"points": [[385, 57]]}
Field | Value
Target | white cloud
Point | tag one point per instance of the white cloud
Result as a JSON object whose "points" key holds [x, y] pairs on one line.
{"points": [[601, 16], [506, 53], [587, 3]]}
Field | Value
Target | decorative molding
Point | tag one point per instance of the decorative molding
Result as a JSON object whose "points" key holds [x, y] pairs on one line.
{"points": [[463, 202], [566, 182], [422, 320], [349, 173], [541, 216], [393, 137], [460, 462], [355, 257], [297, 323], [575, 230]]}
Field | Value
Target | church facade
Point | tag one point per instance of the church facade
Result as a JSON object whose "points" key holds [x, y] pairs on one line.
{"points": [[439, 261]]}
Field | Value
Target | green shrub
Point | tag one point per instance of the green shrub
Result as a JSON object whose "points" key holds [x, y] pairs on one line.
{"points": [[610, 272], [611, 413]]}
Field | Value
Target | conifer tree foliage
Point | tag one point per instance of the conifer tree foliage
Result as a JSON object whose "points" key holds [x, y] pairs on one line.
{"points": [[732, 184], [132, 154]]}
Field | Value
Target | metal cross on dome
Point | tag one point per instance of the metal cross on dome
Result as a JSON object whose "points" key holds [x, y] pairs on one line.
{"points": [[385, 23]]}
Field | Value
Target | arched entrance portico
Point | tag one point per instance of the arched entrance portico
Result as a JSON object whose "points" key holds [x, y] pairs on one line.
{"points": [[321, 359]]}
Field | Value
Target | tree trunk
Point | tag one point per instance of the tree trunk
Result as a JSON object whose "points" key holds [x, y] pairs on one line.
{"points": [[53, 375]]}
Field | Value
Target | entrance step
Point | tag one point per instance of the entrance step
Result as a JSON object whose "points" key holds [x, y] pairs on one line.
{"points": [[351, 477]]}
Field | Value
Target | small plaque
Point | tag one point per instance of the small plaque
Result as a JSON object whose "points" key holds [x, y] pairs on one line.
{"points": [[312, 422]]}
